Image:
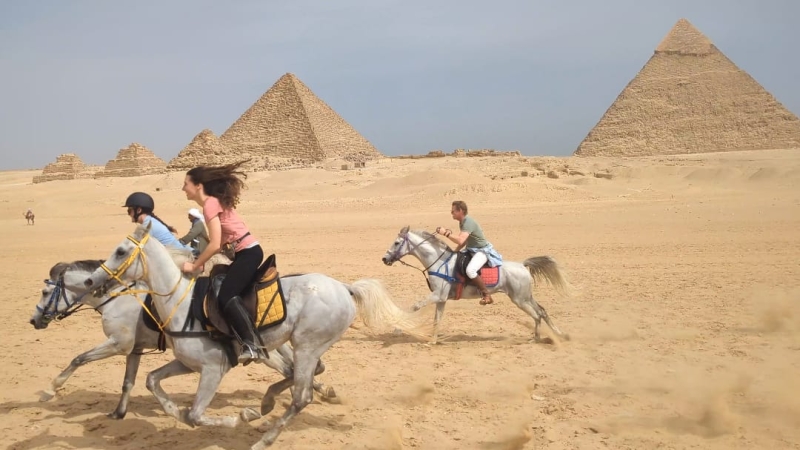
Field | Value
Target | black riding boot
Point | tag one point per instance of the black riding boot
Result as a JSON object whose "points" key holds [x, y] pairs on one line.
{"points": [[239, 321]]}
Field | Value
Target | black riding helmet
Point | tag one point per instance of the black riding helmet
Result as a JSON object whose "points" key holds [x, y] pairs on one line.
{"points": [[140, 200]]}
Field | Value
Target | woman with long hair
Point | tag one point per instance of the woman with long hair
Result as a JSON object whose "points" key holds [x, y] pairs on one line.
{"points": [[217, 190]]}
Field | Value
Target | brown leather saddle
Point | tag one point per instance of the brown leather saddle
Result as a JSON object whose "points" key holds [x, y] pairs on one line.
{"points": [[211, 312]]}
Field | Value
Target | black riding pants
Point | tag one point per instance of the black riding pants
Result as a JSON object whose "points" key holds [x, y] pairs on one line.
{"points": [[240, 274]]}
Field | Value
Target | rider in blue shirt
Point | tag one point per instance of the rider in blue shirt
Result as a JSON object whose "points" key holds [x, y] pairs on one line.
{"points": [[140, 209]]}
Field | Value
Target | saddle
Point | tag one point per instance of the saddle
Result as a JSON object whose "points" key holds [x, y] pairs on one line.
{"points": [[490, 275], [263, 299]]}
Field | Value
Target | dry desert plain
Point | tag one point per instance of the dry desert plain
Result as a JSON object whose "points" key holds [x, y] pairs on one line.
{"points": [[684, 325]]}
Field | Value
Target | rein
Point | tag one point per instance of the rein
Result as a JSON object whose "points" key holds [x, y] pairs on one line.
{"points": [[424, 271], [138, 252]]}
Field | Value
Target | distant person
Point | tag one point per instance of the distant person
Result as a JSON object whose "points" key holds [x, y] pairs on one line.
{"points": [[140, 209], [471, 238], [197, 237], [29, 216]]}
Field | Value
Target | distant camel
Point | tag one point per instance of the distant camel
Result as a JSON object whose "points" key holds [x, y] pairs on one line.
{"points": [[29, 217]]}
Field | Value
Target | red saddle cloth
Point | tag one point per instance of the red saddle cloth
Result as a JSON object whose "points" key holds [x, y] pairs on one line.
{"points": [[490, 275]]}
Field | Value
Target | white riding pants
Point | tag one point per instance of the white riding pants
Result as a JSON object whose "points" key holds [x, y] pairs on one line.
{"points": [[477, 261]]}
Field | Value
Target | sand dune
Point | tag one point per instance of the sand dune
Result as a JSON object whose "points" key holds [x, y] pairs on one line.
{"points": [[684, 329]]}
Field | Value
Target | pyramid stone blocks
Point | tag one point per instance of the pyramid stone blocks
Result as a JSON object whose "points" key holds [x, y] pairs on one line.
{"points": [[690, 98], [289, 122], [133, 161], [68, 166], [204, 149]]}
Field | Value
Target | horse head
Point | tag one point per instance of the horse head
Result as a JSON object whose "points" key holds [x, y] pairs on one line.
{"points": [[399, 248], [63, 291], [125, 264]]}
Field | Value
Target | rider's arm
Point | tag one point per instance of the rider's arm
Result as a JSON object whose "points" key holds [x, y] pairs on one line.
{"points": [[460, 239], [214, 240]]}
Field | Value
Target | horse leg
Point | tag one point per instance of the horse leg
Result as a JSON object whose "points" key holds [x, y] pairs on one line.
{"points": [[302, 395], [153, 383], [286, 353], [210, 378], [543, 314], [102, 351], [437, 317], [268, 401], [131, 369]]}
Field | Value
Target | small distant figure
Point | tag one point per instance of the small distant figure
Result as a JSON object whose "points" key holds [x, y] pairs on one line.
{"points": [[197, 237], [29, 217]]}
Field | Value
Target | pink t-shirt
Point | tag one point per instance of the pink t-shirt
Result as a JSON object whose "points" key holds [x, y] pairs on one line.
{"points": [[233, 227]]}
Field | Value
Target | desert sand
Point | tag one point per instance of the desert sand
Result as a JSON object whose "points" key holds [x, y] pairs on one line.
{"points": [[684, 326]]}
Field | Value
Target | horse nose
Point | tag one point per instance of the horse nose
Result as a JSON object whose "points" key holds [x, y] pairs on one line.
{"points": [[33, 322], [88, 282]]}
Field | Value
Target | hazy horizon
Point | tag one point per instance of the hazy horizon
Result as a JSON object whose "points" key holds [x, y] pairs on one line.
{"points": [[90, 77]]}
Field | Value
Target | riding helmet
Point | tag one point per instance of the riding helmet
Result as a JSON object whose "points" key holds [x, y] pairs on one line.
{"points": [[141, 200]]}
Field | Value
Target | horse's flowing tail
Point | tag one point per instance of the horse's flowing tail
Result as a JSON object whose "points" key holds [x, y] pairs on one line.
{"points": [[546, 268], [376, 308]]}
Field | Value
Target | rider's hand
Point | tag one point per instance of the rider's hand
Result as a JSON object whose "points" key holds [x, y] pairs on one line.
{"points": [[188, 267], [438, 230]]}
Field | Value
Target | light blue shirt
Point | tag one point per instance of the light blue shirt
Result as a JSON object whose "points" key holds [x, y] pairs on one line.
{"points": [[161, 233]]}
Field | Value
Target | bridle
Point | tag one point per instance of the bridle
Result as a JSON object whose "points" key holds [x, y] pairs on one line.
{"points": [[138, 253], [397, 254]]}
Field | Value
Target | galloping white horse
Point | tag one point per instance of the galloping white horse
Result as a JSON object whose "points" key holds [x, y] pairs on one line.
{"points": [[319, 309], [515, 280], [124, 324]]}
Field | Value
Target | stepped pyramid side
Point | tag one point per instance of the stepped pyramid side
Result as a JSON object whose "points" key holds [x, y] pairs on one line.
{"points": [[132, 161], [690, 98], [204, 149], [289, 122], [68, 166], [336, 137]]}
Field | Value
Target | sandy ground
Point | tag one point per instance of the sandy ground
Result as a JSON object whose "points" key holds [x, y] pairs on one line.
{"points": [[685, 329]]}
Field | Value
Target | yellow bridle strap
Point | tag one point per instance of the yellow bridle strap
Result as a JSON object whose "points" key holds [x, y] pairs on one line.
{"points": [[115, 274]]}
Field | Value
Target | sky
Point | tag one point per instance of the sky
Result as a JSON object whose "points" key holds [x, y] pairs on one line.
{"points": [[92, 76]]}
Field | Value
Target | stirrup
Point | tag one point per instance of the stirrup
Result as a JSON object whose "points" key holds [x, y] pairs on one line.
{"points": [[248, 354]]}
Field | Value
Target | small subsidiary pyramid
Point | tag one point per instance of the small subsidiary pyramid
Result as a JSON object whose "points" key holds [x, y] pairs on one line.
{"points": [[68, 166], [690, 98], [291, 122], [133, 161], [204, 149]]}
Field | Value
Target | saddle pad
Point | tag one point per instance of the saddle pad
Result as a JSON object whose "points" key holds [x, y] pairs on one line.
{"points": [[271, 305], [490, 275]]}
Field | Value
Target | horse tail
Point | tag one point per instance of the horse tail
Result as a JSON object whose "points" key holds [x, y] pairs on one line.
{"points": [[376, 308], [545, 268]]}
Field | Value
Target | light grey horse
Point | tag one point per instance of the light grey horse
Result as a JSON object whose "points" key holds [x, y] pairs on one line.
{"points": [[516, 279], [123, 320], [319, 309]]}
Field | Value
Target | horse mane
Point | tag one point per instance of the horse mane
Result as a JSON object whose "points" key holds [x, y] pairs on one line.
{"points": [[178, 255], [430, 237], [85, 265]]}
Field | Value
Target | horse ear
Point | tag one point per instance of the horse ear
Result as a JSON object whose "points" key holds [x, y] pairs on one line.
{"points": [[405, 229], [148, 226]]}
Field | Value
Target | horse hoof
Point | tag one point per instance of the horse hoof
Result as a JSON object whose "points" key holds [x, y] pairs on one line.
{"points": [[329, 393], [116, 415], [249, 415], [47, 395]]}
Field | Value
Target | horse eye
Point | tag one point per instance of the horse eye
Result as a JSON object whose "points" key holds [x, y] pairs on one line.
{"points": [[120, 251]]}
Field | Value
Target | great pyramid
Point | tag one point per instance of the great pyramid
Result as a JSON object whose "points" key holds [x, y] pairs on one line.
{"points": [[690, 98], [68, 166], [205, 149], [133, 161], [289, 122]]}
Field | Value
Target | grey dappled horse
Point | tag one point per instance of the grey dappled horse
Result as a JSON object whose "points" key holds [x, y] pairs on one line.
{"points": [[319, 309], [516, 278], [123, 320]]}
